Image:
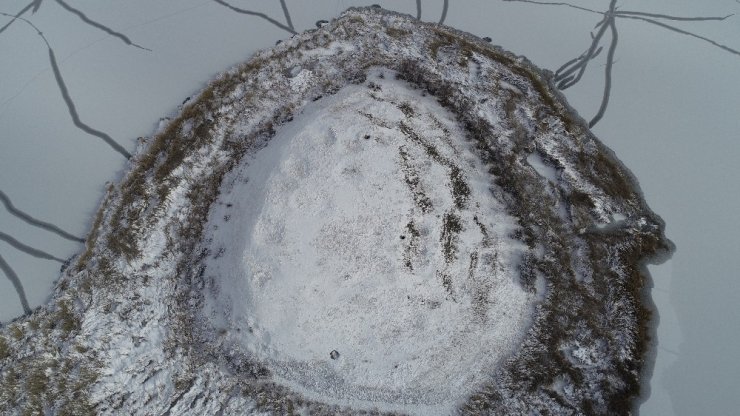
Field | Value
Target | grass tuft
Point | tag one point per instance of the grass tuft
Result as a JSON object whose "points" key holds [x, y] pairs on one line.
{"points": [[4, 348]]}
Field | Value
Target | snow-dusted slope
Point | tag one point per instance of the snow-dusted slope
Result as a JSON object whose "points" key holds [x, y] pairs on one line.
{"points": [[252, 259]]}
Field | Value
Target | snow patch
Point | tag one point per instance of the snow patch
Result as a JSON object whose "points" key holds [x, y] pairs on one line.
{"points": [[544, 169]]}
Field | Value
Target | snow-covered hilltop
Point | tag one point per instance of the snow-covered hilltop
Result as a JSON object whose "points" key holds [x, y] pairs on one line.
{"points": [[381, 215], [366, 227]]}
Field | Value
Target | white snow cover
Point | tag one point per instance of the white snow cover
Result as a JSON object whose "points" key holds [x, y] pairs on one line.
{"points": [[319, 244]]}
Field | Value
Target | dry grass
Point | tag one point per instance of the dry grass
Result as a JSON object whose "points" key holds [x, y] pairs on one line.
{"points": [[68, 322], [451, 228], [16, 332], [397, 33], [4, 348]]}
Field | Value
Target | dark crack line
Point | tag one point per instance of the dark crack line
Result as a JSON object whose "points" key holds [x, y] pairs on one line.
{"points": [[257, 14], [665, 16], [607, 74], [17, 16], [36, 5], [564, 77], [100, 26], [30, 23], [418, 9], [28, 249], [13, 277], [549, 3], [445, 5], [68, 99], [570, 73], [565, 65], [583, 55], [287, 14], [36, 223], [683, 32], [73, 111], [590, 53]]}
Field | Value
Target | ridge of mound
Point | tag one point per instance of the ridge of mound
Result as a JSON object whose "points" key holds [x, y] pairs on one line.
{"points": [[251, 260]]}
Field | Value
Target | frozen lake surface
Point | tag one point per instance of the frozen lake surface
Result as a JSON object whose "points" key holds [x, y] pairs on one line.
{"points": [[71, 109]]}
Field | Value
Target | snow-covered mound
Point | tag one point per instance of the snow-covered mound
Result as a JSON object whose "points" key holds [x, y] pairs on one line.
{"points": [[366, 228], [378, 215]]}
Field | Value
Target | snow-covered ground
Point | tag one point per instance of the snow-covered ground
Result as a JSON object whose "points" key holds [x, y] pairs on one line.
{"points": [[336, 238], [672, 120]]}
